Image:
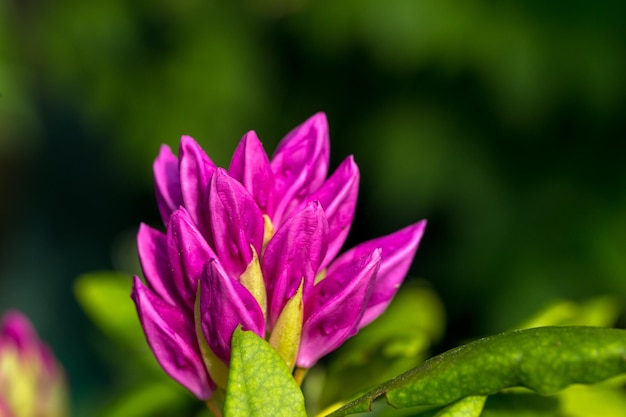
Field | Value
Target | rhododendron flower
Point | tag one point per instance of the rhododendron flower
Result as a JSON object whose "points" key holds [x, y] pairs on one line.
{"points": [[257, 245], [31, 382]]}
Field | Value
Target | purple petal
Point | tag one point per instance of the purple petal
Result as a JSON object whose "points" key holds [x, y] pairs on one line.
{"points": [[196, 169], [338, 196], [300, 165], [224, 305], [295, 252], [48, 361], [398, 251], [17, 329], [152, 248], [171, 336], [188, 252], [335, 307], [236, 223], [5, 410], [167, 183], [17, 332], [251, 167]]}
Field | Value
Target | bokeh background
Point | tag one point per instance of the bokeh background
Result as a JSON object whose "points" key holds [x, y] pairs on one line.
{"points": [[501, 123]]}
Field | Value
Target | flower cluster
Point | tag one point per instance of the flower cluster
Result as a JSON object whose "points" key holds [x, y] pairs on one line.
{"points": [[31, 382], [258, 245]]}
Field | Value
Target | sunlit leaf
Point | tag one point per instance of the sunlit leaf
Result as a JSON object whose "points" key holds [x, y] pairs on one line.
{"points": [[150, 399], [544, 359], [599, 311], [467, 407], [606, 399], [259, 382], [105, 297]]}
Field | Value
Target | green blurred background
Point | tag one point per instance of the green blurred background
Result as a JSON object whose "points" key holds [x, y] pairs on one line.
{"points": [[502, 123]]}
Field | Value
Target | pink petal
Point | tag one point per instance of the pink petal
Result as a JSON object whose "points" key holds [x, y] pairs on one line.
{"points": [[236, 223], [188, 252], [300, 165], [338, 197], [17, 329], [398, 251], [5, 410], [17, 332], [152, 248], [167, 183], [171, 336], [295, 252], [48, 360], [251, 167], [196, 169], [335, 307], [224, 304]]}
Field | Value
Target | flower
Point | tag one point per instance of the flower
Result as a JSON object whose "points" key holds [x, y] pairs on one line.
{"points": [[31, 381], [257, 245]]}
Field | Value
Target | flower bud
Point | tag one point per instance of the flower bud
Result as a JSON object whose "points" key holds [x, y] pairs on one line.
{"points": [[31, 381]]}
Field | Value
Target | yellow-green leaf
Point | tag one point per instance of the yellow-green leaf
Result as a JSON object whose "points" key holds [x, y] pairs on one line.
{"points": [[544, 359], [259, 382]]}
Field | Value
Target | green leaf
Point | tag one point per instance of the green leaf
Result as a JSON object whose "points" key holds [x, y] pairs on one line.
{"points": [[470, 406], [149, 399], [259, 382], [519, 402], [105, 297], [393, 343], [606, 399], [543, 359], [599, 311]]}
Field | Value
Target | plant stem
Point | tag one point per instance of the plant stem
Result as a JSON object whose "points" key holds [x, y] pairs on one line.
{"points": [[300, 374], [210, 404]]}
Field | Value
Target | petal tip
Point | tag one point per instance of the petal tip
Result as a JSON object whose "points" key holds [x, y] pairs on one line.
{"points": [[165, 152], [250, 135], [320, 117]]}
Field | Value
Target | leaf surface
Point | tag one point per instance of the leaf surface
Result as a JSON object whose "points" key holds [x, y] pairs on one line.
{"points": [[259, 382], [105, 297], [544, 359]]}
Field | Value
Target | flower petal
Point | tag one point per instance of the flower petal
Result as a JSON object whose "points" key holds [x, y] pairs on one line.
{"points": [[225, 304], [251, 167], [236, 223], [167, 183], [196, 169], [188, 252], [338, 196], [5, 410], [152, 248], [300, 165], [171, 336], [398, 251], [295, 252], [335, 307], [17, 329]]}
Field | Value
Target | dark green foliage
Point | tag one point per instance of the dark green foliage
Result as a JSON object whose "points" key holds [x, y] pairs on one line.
{"points": [[543, 359]]}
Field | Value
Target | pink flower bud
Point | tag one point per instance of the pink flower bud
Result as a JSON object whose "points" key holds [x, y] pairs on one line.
{"points": [[257, 246], [31, 381]]}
